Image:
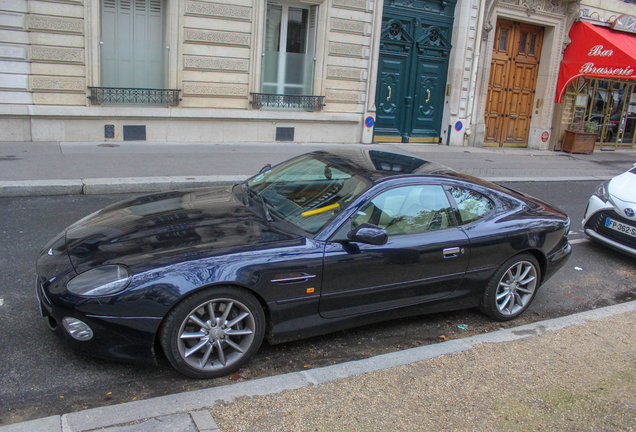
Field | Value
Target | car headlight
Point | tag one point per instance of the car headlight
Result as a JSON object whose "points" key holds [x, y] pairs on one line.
{"points": [[602, 191], [100, 281]]}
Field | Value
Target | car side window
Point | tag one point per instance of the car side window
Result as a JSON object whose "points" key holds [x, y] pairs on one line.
{"points": [[471, 205], [409, 209]]}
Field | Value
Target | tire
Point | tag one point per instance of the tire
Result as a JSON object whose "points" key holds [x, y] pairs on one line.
{"points": [[512, 288], [213, 332]]}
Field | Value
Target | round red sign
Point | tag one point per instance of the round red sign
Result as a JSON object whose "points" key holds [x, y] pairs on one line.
{"points": [[544, 136]]}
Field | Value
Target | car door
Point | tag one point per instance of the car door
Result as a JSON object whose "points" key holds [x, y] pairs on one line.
{"points": [[424, 259]]}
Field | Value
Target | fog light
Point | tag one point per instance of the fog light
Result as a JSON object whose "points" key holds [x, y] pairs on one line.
{"points": [[77, 329]]}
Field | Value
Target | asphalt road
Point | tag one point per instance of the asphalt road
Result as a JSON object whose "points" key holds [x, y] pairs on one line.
{"points": [[40, 377]]}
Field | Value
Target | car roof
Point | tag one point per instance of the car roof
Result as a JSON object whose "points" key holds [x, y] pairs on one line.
{"points": [[379, 165]]}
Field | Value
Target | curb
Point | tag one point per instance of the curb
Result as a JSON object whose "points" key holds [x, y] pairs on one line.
{"points": [[196, 402], [95, 186]]}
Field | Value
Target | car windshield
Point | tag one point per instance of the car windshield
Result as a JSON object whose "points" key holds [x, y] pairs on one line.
{"points": [[308, 191]]}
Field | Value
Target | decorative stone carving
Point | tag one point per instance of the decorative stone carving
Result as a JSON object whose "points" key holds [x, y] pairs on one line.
{"points": [[57, 84], [218, 10], [215, 63], [345, 73], [225, 90], [346, 50], [73, 2], [342, 96], [217, 37], [351, 4], [533, 6], [56, 24], [348, 26], [56, 55]]}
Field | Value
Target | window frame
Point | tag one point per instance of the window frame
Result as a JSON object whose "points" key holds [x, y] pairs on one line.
{"points": [[458, 216], [310, 43]]}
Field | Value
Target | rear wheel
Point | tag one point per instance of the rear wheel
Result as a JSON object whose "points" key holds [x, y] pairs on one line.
{"points": [[512, 288], [213, 332]]}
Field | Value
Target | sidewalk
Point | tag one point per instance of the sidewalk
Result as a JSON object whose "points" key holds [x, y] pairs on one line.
{"points": [[33, 168], [570, 373]]}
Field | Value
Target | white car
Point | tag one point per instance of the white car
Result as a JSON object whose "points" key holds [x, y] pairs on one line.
{"points": [[610, 216]]}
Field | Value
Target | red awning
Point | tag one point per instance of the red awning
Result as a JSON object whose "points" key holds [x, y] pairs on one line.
{"points": [[597, 52]]}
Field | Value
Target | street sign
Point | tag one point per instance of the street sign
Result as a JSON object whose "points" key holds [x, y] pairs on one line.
{"points": [[458, 126], [369, 122], [544, 136]]}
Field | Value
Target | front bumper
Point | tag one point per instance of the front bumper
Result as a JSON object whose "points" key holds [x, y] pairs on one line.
{"points": [[596, 215], [116, 338]]}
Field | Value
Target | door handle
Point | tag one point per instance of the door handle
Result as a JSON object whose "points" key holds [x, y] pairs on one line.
{"points": [[451, 252], [389, 97], [428, 92], [513, 116]]}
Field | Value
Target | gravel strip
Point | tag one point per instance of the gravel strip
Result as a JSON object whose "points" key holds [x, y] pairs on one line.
{"points": [[585, 380]]}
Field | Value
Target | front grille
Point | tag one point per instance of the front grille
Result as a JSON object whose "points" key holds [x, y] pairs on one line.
{"points": [[597, 223], [40, 292]]}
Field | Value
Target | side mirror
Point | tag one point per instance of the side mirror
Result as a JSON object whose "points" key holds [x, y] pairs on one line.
{"points": [[265, 168], [370, 234]]}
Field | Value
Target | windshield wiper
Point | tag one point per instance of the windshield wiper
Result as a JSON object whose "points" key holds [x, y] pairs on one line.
{"points": [[265, 209]]}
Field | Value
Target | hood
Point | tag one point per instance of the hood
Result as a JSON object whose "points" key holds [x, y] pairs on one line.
{"points": [[623, 187], [173, 226]]}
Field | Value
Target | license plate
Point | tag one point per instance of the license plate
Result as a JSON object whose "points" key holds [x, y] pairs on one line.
{"points": [[620, 227]]}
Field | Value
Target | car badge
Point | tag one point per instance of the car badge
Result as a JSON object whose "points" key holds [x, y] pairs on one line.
{"points": [[629, 212], [50, 252]]}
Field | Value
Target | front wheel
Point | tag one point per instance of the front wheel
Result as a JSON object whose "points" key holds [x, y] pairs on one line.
{"points": [[512, 288], [213, 332]]}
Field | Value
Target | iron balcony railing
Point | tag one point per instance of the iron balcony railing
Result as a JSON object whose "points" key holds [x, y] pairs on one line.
{"points": [[134, 96], [265, 100]]}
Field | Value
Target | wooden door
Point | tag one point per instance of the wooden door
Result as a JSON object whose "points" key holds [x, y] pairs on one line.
{"points": [[512, 84]]}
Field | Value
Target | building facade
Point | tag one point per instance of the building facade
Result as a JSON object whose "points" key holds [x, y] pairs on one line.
{"points": [[453, 72]]}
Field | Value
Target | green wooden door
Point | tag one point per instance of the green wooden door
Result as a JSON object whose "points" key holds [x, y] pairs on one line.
{"points": [[412, 70]]}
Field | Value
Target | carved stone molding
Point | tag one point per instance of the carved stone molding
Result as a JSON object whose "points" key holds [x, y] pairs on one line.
{"points": [[56, 55], [345, 73], [347, 50], [56, 84], [342, 96], [351, 4], [55, 24], [348, 26], [215, 63], [219, 10], [218, 90], [533, 6], [73, 2], [217, 37]]}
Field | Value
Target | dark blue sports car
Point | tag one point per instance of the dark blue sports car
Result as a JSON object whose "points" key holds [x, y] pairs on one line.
{"points": [[323, 242]]}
